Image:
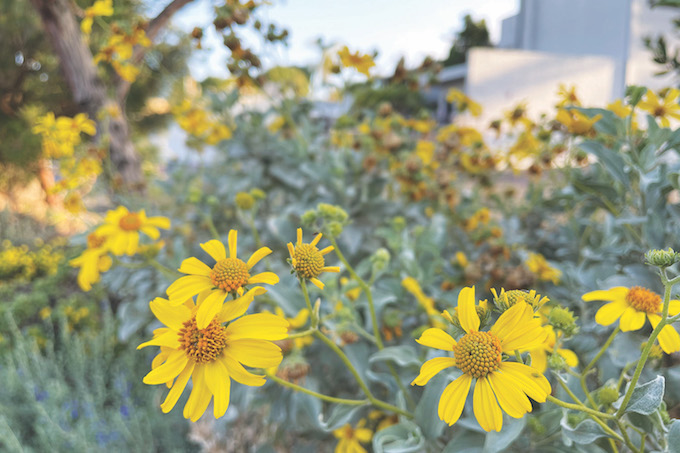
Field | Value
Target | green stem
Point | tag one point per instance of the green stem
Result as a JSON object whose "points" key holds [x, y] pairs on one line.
{"points": [[626, 439], [374, 319], [595, 415], [304, 333], [211, 226], [321, 396], [305, 293], [602, 350], [648, 347]]}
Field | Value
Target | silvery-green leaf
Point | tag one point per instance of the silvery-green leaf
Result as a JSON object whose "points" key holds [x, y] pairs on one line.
{"points": [[646, 398]]}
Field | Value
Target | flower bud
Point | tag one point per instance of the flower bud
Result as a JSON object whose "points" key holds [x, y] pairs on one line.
{"points": [[607, 395], [662, 258], [245, 201], [380, 259], [308, 218], [563, 319]]}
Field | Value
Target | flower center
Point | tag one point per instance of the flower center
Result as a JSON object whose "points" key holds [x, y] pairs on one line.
{"points": [[130, 222], [659, 111], [230, 274], [478, 354], [94, 240], [202, 345], [308, 261], [643, 299], [349, 432]]}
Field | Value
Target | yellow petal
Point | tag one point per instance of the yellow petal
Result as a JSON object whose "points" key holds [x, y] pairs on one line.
{"points": [[159, 221], [195, 266], [257, 256], [215, 249], [327, 250], [512, 400], [291, 250], [510, 319], [432, 367], [169, 339], [539, 359], [177, 388], [616, 293], [437, 339], [232, 309], [527, 379], [363, 435], [255, 353], [263, 326], [453, 398], [316, 282], [487, 411], [150, 231], [233, 240], [269, 278], [133, 242], [569, 356], [171, 316], [609, 313], [186, 287], [200, 395], [631, 319], [316, 239], [219, 383], [334, 269], [209, 308], [674, 307], [299, 237], [669, 340], [240, 374], [169, 370], [467, 313]]}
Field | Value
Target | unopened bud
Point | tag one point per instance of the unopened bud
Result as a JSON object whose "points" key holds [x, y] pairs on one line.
{"points": [[662, 258]]}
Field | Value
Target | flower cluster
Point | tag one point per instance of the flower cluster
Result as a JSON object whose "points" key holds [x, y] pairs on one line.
{"points": [[18, 263], [118, 51], [200, 123]]}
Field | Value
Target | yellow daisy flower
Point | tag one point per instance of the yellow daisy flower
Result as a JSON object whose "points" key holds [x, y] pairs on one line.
{"points": [[210, 356], [228, 276], [351, 438], [620, 109], [577, 122], [308, 261], [664, 108], [539, 355], [539, 266], [122, 227], [479, 355], [92, 262], [506, 299], [630, 306], [567, 96], [362, 63]]}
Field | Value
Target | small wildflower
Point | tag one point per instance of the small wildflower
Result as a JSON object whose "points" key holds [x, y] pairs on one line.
{"points": [[507, 299], [361, 62], [662, 109], [539, 266], [308, 261], [245, 201], [350, 439], [122, 227]]}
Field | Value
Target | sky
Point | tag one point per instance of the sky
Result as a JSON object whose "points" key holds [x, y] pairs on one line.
{"points": [[394, 28]]}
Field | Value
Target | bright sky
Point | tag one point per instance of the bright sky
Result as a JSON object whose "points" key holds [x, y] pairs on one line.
{"points": [[395, 28]]}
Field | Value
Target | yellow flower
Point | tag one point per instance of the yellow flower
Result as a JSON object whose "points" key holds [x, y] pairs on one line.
{"points": [[351, 438], [122, 228], [463, 103], [479, 355], [507, 299], [576, 122], [99, 8], [93, 261], [308, 261], [631, 306], [568, 96], [538, 265], [217, 133], [518, 115], [73, 203], [482, 216], [412, 286], [362, 63], [539, 355], [662, 109], [228, 276], [620, 109], [210, 356], [461, 259], [296, 322]]}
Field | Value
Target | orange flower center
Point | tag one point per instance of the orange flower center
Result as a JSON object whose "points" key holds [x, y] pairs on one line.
{"points": [[130, 222], [94, 240], [659, 111], [230, 274], [308, 261], [643, 299], [202, 345], [478, 354], [349, 432]]}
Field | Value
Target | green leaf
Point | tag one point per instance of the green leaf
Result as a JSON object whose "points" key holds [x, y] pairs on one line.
{"points": [[405, 437], [584, 433], [340, 415], [610, 159], [426, 413], [674, 437], [499, 441], [403, 355], [646, 398]]}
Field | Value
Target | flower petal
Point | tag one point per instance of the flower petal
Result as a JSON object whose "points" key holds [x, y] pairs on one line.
{"points": [[316, 282], [632, 319], [209, 308], [609, 313], [526, 378], [262, 326], [509, 320], [255, 353], [569, 356], [269, 278], [219, 383], [257, 256], [233, 240], [437, 339], [194, 266], [232, 309], [200, 395], [512, 400], [188, 286], [177, 388], [168, 339], [159, 221], [240, 374], [485, 406], [674, 307], [616, 293], [171, 316], [467, 312], [169, 370], [215, 249], [432, 367], [453, 398], [669, 340]]}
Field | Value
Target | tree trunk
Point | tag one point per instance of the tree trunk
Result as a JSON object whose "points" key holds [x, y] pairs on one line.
{"points": [[88, 91]]}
